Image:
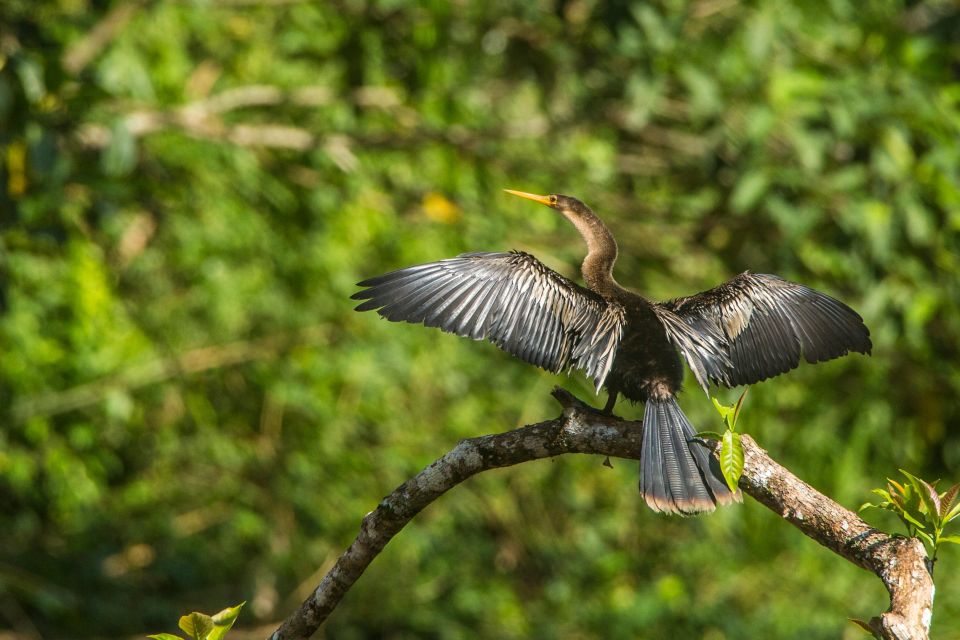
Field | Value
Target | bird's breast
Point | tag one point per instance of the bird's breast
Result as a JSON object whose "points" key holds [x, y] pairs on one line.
{"points": [[646, 364]]}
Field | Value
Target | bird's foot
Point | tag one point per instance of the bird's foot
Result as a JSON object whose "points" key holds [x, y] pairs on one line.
{"points": [[611, 403], [567, 400], [570, 402]]}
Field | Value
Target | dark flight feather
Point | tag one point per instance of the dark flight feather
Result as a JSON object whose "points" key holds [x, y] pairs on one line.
{"points": [[511, 299], [766, 324]]}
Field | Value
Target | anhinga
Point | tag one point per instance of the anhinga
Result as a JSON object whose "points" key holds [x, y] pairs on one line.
{"points": [[746, 330]]}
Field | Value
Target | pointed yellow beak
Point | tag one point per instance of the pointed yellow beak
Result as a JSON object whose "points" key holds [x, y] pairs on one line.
{"points": [[530, 196]]}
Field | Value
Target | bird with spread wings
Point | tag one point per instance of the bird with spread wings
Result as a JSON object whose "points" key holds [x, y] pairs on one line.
{"points": [[743, 331]]}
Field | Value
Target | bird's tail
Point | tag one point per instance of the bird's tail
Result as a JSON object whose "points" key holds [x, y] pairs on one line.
{"points": [[677, 474]]}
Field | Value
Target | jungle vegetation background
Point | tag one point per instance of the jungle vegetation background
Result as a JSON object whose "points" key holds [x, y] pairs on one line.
{"points": [[192, 414]]}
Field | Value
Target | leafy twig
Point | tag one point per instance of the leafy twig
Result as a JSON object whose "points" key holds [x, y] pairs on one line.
{"points": [[200, 626], [731, 449], [924, 512]]}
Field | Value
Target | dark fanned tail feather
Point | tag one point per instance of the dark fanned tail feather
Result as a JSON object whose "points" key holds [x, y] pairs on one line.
{"points": [[677, 474]]}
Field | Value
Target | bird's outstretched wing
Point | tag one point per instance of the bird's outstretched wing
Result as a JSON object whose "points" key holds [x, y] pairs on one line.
{"points": [[511, 299], [767, 323]]}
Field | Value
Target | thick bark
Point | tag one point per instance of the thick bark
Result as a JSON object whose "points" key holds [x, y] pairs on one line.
{"points": [[901, 563]]}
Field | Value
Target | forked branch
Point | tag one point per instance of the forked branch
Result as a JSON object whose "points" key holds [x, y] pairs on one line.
{"points": [[901, 563]]}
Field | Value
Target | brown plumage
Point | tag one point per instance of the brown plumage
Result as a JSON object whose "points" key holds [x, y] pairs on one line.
{"points": [[746, 330]]}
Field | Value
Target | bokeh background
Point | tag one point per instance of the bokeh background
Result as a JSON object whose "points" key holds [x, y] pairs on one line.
{"points": [[192, 415]]}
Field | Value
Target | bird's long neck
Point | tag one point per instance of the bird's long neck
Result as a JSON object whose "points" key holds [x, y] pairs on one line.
{"points": [[597, 267]]}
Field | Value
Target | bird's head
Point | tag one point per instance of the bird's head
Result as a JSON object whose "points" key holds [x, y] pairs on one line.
{"points": [[567, 205], [602, 248]]}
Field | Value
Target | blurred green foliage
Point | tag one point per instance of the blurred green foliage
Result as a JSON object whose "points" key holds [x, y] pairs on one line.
{"points": [[192, 414]]}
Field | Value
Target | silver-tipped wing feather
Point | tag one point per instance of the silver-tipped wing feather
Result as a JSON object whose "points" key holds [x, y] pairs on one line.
{"points": [[511, 299], [704, 348], [766, 323]]}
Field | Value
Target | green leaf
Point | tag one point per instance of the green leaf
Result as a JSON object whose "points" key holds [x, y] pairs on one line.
{"points": [[950, 539], [748, 191], [946, 501], [896, 498], [737, 407], [934, 503], [120, 156], [224, 620], [31, 78], [898, 486], [731, 458], [925, 491], [197, 625], [925, 537], [228, 615], [953, 513], [911, 519], [731, 413], [164, 636], [723, 410]]}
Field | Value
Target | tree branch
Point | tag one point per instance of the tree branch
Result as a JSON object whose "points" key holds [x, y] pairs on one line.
{"points": [[901, 563]]}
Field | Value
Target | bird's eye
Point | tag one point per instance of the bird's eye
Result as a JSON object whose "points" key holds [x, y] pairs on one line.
{"points": [[553, 199]]}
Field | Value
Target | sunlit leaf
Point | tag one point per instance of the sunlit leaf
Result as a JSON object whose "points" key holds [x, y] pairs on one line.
{"points": [[731, 459], [952, 514], [947, 499], [915, 518], [722, 409], [223, 621], [748, 191], [933, 503], [196, 625], [16, 161], [439, 208], [738, 406], [898, 499], [120, 155], [926, 537], [928, 495], [31, 78]]}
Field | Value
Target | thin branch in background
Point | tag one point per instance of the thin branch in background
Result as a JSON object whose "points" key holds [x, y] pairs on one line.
{"points": [[83, 51], [160, 369], [201, 119], [901, 563], [15, 616]]}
